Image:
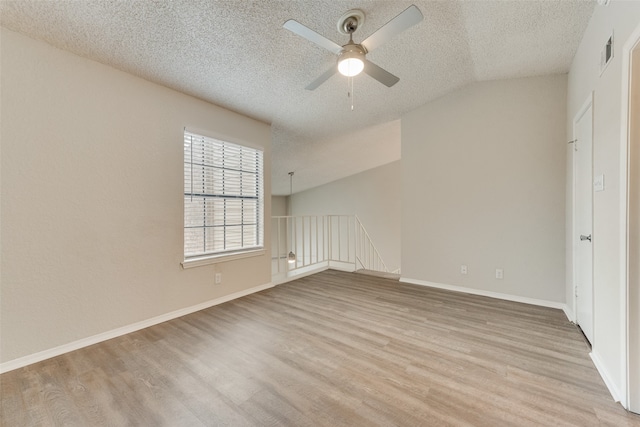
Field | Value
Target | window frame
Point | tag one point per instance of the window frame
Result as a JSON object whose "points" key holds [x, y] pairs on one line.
{"points": [[231, 254]]}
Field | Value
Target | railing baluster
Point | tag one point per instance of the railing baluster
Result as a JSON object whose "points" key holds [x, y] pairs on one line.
{"points": [[339, 238], [348, 239], [324, 240]]}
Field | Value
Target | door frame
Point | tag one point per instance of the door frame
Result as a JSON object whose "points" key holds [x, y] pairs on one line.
{"points": [[586, 105], [632, 42]]}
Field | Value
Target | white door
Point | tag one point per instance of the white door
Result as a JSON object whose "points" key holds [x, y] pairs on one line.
{"points": [[633, 260], [583, 249]]}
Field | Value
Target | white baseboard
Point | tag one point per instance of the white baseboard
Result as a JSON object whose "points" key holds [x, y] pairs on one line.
{"points": [[300, 273], [348, 267], [606, 377], [490, 294], [569, 313], [85, 342]]}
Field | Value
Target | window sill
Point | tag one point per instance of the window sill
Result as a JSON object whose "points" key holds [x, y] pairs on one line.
{"points": [[213, 259]]}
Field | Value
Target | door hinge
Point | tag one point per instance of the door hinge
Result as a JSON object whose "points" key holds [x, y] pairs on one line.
{"points": [[576, 291]]}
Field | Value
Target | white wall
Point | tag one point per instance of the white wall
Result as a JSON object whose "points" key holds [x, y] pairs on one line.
{"points": [[621, 18], [483, 185], [373, 195], [92, 184]]}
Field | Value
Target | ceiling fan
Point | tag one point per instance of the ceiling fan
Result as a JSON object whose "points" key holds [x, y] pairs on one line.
{"points": [[352, 56]]}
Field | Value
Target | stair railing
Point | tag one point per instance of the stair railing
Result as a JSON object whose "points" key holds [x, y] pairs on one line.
{"points": [[333, 241], [367, 255]]}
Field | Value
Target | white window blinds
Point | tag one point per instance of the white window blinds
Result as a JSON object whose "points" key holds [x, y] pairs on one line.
{"points": [[223, 197]]}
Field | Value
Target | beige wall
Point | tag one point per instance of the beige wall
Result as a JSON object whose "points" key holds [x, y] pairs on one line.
{"points": [[279, 205], [621, 18], [92, 183], [373, 195], [483, 185]]}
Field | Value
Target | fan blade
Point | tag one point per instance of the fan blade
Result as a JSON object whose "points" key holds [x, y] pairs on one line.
{"points": [[410, 17], [380, 74], [323, 78], [312, 36]]}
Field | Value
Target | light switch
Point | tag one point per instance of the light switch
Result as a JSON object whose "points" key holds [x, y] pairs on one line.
{"points": [[598, 183]]}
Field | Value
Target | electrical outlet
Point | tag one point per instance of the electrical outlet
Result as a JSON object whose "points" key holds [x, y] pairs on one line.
{"points": [[463, 269], [499, 273], [218, 278]]}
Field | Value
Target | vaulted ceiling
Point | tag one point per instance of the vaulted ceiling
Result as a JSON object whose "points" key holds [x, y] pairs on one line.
{"points": [[236, 54]]}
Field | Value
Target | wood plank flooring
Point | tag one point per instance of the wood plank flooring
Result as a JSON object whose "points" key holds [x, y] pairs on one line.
{"points": [[332, 349]]}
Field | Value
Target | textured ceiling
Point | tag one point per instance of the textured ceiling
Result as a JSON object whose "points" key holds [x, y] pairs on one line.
{"points": [[236, 54]]}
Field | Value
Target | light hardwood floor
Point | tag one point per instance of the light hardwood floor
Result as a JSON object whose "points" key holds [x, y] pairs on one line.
{"points": [[333, 349]]}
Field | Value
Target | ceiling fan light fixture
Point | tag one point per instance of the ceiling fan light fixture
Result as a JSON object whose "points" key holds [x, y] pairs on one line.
{"points": [[351, 62]]}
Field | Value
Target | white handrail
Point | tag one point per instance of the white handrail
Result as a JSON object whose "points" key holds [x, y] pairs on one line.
{"points": [[376, 263]]}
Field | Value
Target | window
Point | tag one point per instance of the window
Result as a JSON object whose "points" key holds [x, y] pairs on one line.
{"points": [[223, 197]]}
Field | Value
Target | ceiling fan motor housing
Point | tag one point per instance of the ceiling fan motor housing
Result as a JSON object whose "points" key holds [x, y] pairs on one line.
{"points": [[352, 50]]}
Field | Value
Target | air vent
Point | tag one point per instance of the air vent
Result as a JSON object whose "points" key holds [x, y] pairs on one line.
{"points": [[607, 54]]}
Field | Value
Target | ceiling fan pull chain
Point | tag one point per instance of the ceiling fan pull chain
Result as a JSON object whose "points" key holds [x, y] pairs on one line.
{"points": [[350, 90]]}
